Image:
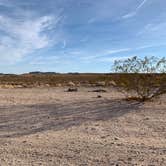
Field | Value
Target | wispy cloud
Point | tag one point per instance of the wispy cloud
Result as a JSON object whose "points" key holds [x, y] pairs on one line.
{"points": [[108, 52], [153, 29], [133, 13], [64, 44], [22, 32], [151, 46], [143, 2], [21, 37], [112, 55], [104, 54], [82, 33]]}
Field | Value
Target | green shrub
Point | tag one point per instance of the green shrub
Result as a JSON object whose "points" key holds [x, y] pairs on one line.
{"points": [[142, 79]]}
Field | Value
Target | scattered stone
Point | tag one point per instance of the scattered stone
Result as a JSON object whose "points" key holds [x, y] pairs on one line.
{"points": [[59, 85], [99, 90], [103, 137], [129, 159], [101, 83], [146, 118], [72, 90], [112, 83], [99, 96], [8, 86], [72, 84], [18, 86], [47, 85]]}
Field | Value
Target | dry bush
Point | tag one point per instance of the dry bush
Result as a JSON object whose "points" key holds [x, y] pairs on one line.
{"points": [[141, 79], [33, 80]]}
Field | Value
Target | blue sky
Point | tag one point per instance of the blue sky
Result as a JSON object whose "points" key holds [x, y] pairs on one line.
{"points": [[78, 35]]}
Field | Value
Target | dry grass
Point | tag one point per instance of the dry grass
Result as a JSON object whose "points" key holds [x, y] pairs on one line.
{"points": [[33, 80]]}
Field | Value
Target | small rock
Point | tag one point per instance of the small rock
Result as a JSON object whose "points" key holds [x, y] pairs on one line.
{"points": [[72, 90], [71, 84], [112, 83], [99, 90], [100, 83]]}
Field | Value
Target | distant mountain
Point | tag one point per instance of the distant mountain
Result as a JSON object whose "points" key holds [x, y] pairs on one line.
{"points": [[38, 72]]}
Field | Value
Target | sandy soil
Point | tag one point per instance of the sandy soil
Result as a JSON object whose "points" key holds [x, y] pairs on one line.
{"points": [[51, 127]]}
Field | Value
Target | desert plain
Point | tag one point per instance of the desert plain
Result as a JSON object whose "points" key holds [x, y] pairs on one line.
{"points": [[52, 127]]}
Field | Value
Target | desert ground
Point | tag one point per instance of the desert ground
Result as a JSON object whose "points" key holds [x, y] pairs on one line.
{"points": [[52, 127]]}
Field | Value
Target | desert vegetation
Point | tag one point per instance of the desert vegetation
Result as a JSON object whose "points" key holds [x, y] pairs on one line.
{"points": [[138, 78], [141, 78], [54, 80], [42, 123]]}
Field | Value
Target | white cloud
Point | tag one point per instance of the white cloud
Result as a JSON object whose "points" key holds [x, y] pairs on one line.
{"points": [[64, 44], [133, 13], [75, 52], [108, 55], [108, 52], [153, 30], [143, 2], [103, 54], [19, 37], [151, 46], [129, 15]]}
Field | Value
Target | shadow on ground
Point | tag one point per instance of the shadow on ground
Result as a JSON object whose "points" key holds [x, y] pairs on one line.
{"points": [[22, 120]]}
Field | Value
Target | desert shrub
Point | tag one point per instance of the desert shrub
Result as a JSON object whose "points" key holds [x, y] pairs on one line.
{"points": [[141, 79]]}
